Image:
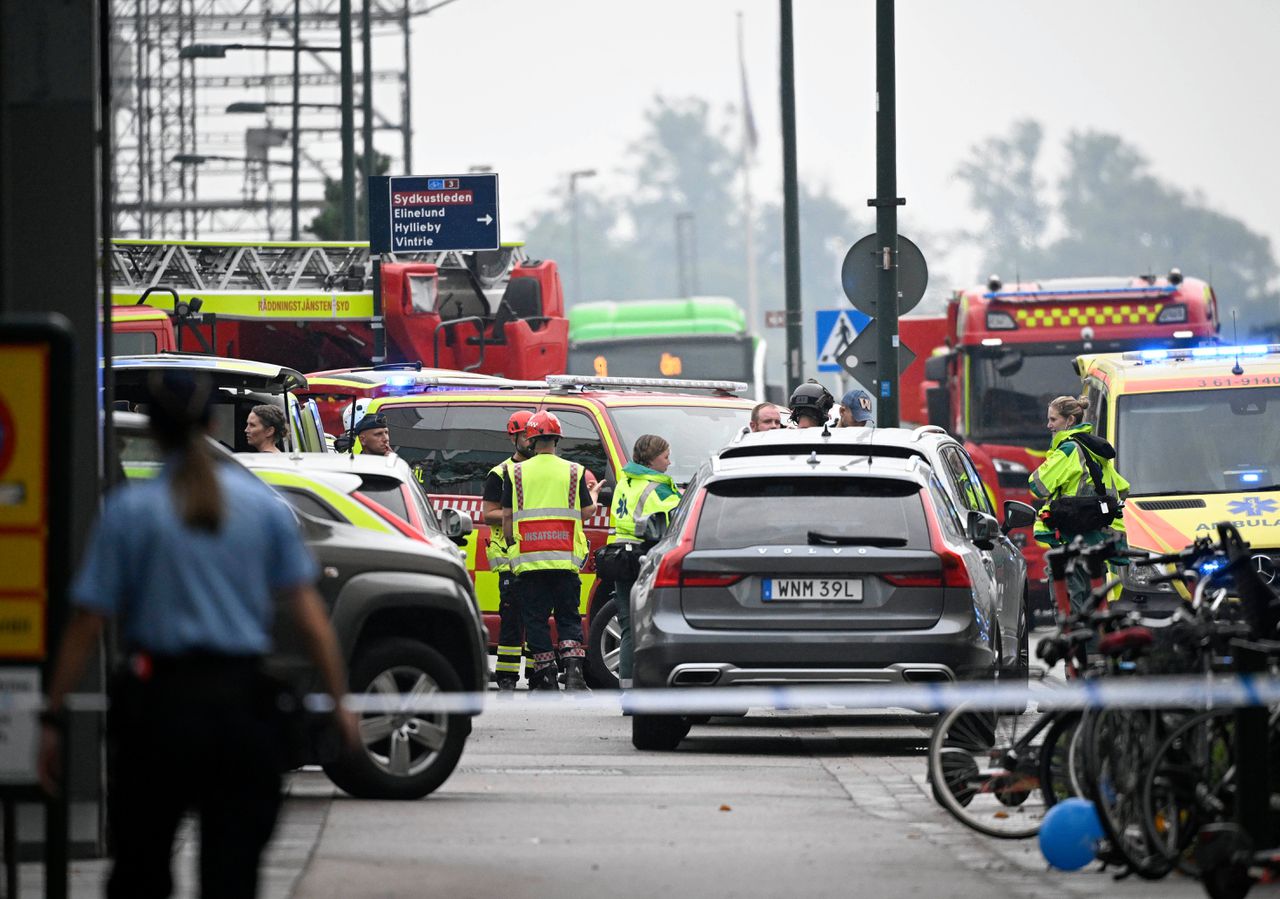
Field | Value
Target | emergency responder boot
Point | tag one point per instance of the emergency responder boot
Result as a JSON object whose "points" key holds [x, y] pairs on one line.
{"points": [[506, 685], [574, 682], [544, 680]]}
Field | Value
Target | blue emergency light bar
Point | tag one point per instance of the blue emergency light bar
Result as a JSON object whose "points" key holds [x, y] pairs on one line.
{"points": [[1094, 292], [1203, 352]]}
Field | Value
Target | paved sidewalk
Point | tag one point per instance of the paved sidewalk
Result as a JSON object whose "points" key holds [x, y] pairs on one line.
{"points": [[302, 819]]}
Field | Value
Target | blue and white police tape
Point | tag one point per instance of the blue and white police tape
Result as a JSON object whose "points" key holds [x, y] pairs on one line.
{"points": [[1171, 691]]}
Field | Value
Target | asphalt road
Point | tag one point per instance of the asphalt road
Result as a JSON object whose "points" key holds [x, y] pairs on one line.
{"points": [[551, 800], [551, 803]]}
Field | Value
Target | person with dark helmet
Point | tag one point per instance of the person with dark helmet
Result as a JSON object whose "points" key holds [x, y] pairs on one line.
{"points": [[511, 621], [192, 566], [543, 506], [810, 405]]}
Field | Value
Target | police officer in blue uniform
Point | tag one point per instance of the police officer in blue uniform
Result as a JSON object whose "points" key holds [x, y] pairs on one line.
{"points": [[191, 565]]}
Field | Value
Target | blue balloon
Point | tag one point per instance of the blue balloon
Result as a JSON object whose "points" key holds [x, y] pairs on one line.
{"points": [[1069, 834]]}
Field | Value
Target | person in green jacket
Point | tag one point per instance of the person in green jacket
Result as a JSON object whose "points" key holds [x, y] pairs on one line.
{"points": [[1065, 472], [644, 489]]}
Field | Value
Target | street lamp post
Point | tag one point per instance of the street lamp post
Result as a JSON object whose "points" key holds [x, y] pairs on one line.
{"points": [[348, 126], [202, 158], [573, 226], [295, 227], [366, 93], [219, 51]]}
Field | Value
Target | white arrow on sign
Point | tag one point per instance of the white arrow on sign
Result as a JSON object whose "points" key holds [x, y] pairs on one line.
{"points": [[488, 219]]}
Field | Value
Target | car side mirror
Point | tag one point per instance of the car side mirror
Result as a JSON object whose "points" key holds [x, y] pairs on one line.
{"points": [[1017, 515], [456, 526], [655, 528], [982, 529]]}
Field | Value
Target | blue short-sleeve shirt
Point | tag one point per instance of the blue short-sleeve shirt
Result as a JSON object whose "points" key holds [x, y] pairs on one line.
{"points": [[175, 589]]}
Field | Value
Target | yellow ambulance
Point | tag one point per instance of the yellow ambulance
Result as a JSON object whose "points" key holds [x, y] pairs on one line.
{"points": [[1197, 434]]}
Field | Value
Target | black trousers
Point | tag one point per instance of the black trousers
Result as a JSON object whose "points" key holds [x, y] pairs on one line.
{"points": [[192, 734], [541, 594], [510, 628]]}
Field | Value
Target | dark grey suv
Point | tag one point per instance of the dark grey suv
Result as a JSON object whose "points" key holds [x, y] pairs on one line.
{"points": [[406, 617], [798, 558]]}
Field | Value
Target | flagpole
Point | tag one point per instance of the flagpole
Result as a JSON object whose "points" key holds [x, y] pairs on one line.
{"points": [[748, 211]]}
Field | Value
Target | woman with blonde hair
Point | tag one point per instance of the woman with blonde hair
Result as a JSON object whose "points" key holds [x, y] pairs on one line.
{"points": [[644, 490], [1082, 491]]}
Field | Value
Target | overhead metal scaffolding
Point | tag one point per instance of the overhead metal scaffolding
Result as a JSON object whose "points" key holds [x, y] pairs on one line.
{"points": [[169, 118]]}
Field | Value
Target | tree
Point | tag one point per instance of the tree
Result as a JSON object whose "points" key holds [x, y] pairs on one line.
{"points": [[1005, 188], [1113, 216], [327, 225], [1114, 211], [684, 162]]}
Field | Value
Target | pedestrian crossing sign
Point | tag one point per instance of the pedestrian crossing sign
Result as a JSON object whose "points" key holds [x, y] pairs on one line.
{"points": [[836, 329]]}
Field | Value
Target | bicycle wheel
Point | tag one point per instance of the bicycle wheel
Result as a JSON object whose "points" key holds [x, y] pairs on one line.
{"points": [[1055, 753], [984, 769], [1190, 783], [1121, 744]]}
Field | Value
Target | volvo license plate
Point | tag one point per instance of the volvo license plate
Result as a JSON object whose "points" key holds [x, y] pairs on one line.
{"points": [[811, 588]]}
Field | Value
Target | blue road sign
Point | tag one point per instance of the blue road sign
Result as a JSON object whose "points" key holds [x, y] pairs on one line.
{"points": [[437, 212], [835, 329]]}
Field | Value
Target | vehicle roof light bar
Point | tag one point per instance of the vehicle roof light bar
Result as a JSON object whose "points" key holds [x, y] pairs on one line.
{"points": [[1084, 293], [584, 382], [1202, 352]]}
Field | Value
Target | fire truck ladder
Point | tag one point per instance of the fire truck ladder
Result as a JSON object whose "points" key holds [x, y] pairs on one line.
{"points": [[186, 265]]}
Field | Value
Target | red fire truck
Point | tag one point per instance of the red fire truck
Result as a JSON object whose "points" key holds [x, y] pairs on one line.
{"points": [[314, 305], [1008, 351]]}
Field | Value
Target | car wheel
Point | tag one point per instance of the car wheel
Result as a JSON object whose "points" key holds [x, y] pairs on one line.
{"points": [[997, 642], [604, 645], [1022, 665], [658, 732], [406, 755]]}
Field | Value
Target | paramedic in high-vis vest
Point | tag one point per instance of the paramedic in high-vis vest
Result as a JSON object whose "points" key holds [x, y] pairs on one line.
{"points": [[511, 621], [644, 490], [1079, 464], [543, 506]]}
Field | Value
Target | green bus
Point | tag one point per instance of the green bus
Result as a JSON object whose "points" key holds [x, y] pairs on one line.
{"points": [[699, 337]]}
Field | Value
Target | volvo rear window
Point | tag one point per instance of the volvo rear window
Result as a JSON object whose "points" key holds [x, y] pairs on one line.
{"points": [[800, 511]]}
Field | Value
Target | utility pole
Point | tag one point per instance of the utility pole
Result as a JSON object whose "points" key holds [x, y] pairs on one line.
{"points": [[790, 204], [406, 115], [295, 228], [576, 248], [366, 99], [886, 203], [348, 126]]}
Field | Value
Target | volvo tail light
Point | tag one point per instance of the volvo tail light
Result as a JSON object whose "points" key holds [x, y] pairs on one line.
{"points": [[671, 568], [954, 571]]}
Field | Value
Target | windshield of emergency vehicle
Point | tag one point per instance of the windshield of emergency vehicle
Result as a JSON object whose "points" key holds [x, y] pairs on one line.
{"points": [[1010, 394], [1200, 441], [694, 432], [707, 356]]}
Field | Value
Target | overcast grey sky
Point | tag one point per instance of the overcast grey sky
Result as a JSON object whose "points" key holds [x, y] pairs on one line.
{"points": [[537, 88]]}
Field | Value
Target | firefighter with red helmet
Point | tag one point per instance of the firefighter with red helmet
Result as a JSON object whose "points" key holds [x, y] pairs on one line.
{"points": [[511, 645], [544, 504]]}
